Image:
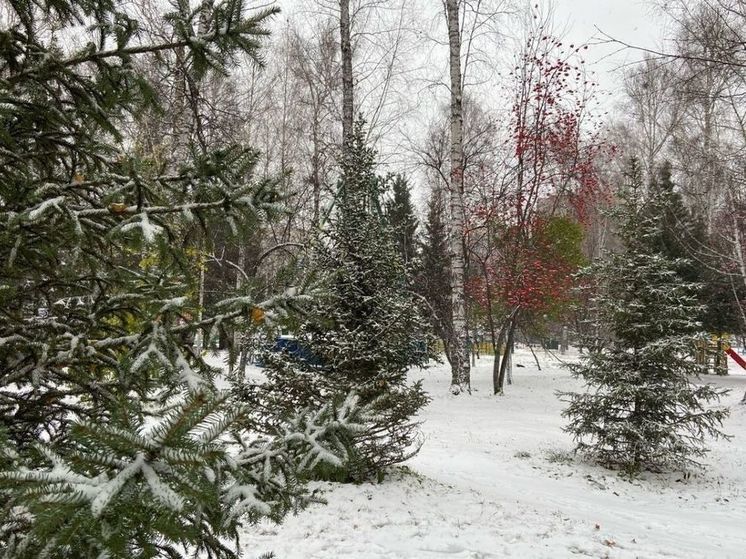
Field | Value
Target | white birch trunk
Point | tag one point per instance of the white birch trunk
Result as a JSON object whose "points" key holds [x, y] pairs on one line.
{"points": [[199, 343], [460, 369], [348, 115]]}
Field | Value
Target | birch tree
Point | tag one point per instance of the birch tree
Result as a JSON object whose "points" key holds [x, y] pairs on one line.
{"points": [[348, 108], [460, 367], [656, 107]]}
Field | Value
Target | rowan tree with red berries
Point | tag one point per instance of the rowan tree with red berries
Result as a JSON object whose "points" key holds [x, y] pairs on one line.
{"points": [[526, 241]]}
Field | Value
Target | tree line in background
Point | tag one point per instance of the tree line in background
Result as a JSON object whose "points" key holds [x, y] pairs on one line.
{"points": [[175, 179]]}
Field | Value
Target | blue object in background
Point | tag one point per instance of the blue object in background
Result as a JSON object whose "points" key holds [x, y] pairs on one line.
{"points": [[294, 347]]}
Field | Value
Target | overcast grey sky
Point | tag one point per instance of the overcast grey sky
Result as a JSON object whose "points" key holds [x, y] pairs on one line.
{"points": [[580, 21], [632, 21]]}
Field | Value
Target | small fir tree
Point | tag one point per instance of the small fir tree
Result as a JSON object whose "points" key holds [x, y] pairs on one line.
{"points": [[401, 219], [433, 282], [364, 333], [675, 230], [640, 409]]}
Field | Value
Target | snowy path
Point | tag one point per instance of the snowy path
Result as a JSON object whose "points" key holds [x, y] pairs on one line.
{"points": [[495, 479]]}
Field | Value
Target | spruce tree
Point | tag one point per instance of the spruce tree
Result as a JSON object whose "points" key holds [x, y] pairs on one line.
{"points": [[641, 409], [114, 438], [675, 230], [401, 219], [680, 236], [364, 332], [433, 280]]}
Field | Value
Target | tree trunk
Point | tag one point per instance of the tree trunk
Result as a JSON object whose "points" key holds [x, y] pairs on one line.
{"points": [[494, 338], [199, 338], [509, 365], [238, 335], [348, 111], [737, 240], [496, 363], [316, 175], [564, 343], [460, 370], [507, 355]]}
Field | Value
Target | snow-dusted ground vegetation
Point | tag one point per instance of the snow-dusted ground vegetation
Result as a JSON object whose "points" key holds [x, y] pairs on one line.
{"points": [[496, 478]]}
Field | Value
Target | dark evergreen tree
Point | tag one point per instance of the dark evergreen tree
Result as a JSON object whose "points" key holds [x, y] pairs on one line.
{"points": [[401, 219], [640, 409], [433, 280], [114, 438], [676, 233], [680, 236], [721, 296], [364, 332]]}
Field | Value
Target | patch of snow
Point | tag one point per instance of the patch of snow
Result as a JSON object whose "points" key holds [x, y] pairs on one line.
{"points": [[160, 490], [40, 210], [496, 478], [149, 230], [107, 491]]}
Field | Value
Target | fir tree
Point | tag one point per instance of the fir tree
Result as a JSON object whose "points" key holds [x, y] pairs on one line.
{"points": [[114, 440], [401, 219], [680, 236], [365, 332], [434, 271], [640, 409], [675, 229]]}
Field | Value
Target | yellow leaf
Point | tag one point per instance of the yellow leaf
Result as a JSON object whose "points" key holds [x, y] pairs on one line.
{"points": [[257, 314]]}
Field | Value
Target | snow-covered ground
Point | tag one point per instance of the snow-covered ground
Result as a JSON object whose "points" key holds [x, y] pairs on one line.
{"points": [[495, 478]]}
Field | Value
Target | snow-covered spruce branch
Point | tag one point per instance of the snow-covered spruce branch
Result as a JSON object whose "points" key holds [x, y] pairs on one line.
{"points": [[237, 27], [168, 469], [35, 213]]}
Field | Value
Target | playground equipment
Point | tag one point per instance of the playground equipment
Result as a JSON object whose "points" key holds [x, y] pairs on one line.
{"points": [[712, 353], [737, 358]]}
